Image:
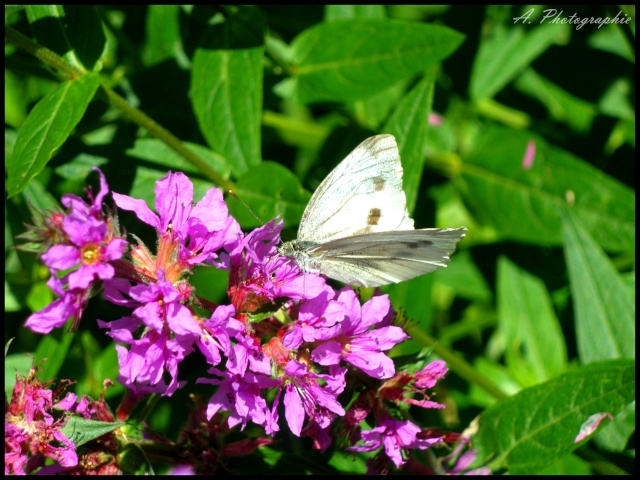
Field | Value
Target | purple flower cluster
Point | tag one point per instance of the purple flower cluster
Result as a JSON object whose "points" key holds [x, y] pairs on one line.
{"points": [[87, 245], [30, 432], [285, 335]]}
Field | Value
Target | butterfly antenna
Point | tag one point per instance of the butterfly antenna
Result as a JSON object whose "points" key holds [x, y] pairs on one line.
{"points": [[233, 194]]}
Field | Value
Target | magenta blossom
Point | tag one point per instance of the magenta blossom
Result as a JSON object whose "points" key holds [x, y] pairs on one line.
{"points": [[31, 433], [87, 245], [199, 229], [397, 437], [358, 344], [170, 334], [305, 397], [258, 274]]}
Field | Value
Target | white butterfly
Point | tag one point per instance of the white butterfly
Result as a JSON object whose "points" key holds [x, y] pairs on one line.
{"points": [[356, 227]]}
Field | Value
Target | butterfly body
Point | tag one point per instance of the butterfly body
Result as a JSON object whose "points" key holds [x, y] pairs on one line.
{"points": [[356, 227]]}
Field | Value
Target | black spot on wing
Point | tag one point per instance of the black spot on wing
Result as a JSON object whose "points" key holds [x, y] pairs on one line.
{"points": [[374, 216], [378, 183]]}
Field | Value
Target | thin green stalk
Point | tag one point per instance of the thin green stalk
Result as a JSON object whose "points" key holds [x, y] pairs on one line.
{"points": [[457, 364], [116, 101]]}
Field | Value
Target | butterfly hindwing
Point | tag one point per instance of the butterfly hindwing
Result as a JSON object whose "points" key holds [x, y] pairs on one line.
{"points": [[387, 257]]}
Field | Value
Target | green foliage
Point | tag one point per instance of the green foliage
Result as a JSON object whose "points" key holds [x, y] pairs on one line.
{"points": [[539, 299]]}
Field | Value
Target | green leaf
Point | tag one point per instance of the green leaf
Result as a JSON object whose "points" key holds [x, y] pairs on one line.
{"points": [[533, 338], [48, 25], [409, 124], [505, 52], [269, 190], [226, 88], [615, 436], [349, 60], [15, 363], [344, 12], [84, 30], [464, 277], [537, 426], [72, 31], [163, 33], [54, 347], [159, 153], [47, 127], [562, 106], [80, 430], [527, 205], [604, 309]]}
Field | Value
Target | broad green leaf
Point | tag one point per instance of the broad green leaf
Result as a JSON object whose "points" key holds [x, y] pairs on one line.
{"points": [[158, 152], [84, 30], [534, 345], [537, 426], [54, 347], [618, 101], [604, 309], [163, 33], [48, 24], [409, 123], [611, 39], [505, 52], [80, 430], [464, 277], [16, 363], [269, 190], [226, 88], [526, 205], [562, 106], [15, 100], [39, 197], [72, 31], [39, 296], [615, 436], [569, 465], [414, 296], [349, 60], [11, 303], [345, 12], [47, 127], [80, 166]]}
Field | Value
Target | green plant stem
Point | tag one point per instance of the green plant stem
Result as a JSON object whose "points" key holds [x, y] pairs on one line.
{"points": [[116, 101], [457, 364]]}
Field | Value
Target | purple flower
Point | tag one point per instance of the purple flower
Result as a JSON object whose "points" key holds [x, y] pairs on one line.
{"points": [[31, 434], [303, 396], [56, 314], [79, 207], [239, 391], [396, 436], [217, 333], [200, 230], [91, 248], [359, 345], [89, 244], [259, 275], [170, 334], [319, 318]]}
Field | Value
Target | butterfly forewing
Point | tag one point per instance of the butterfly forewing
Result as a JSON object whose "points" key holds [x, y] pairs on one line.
{"points": [[356, 227], [363, 194], [387, 257]]}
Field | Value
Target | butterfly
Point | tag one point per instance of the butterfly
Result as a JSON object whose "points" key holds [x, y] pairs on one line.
{"points": [[356, 227]]}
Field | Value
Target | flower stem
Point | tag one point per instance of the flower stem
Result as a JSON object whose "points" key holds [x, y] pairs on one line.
{"points": [[116, 101]]}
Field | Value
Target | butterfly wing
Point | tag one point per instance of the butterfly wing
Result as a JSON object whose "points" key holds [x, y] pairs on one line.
{"points": [[363, 194], [386, 257]]}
